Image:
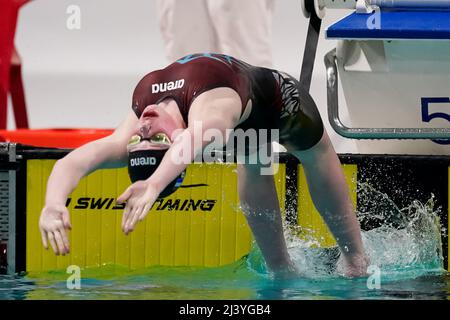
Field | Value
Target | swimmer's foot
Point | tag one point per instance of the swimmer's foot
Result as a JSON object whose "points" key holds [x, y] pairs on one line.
{"points": [[289, 272], [354, 267]]}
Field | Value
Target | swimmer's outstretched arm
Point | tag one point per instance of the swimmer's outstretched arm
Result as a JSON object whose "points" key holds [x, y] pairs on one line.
{"points": [[108, 152], [219, 113]]}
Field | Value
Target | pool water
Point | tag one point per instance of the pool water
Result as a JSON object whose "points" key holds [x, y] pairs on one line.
{"points": [[235, 282], [405, 251]]}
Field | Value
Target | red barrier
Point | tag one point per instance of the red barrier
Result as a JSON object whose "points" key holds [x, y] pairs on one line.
{"points": [[10, 75], [54, 138]]}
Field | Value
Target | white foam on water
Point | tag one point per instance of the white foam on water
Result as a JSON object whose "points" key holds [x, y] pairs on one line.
{"points": [[405, 243]]}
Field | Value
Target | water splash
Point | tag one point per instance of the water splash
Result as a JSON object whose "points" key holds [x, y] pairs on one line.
{"points": [[405, 242], [402, 243]]}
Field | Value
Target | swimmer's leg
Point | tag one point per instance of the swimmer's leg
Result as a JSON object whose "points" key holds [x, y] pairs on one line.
{"points": [[330, 194], [259, 202]]}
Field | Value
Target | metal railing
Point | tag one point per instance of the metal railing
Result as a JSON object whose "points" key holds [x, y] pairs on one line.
{"points": [[369, 133]]}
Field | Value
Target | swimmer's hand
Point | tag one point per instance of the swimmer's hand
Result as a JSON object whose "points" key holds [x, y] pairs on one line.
{"points": [[54, 223], [139, 198]]}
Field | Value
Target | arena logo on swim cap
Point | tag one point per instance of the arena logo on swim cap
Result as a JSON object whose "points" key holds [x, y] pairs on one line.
{"points": [[167, 86], [143, 161]]}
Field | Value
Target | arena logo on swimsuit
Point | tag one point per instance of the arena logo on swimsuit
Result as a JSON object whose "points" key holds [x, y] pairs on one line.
{"points": [[167, 86]]}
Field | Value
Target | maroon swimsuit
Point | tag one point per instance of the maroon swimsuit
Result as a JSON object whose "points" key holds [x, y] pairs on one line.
{"points": [[278, 102]]}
